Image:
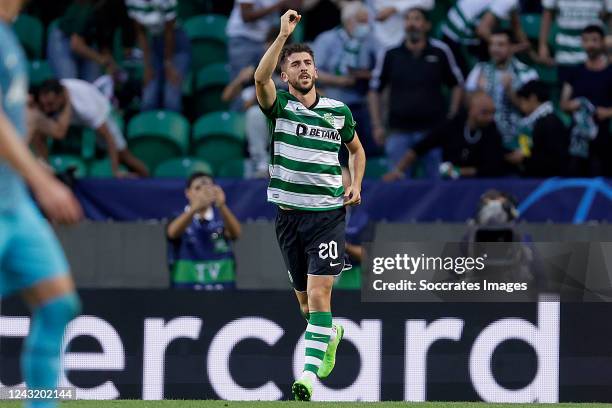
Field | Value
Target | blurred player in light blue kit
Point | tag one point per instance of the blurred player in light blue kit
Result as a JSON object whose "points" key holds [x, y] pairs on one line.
{"points": [[31, 259]]}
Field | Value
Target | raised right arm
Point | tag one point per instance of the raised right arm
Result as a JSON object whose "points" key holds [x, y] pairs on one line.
{"points": [[264, 86]]}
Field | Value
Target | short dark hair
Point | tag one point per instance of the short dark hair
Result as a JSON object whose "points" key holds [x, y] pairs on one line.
{"points": [[294, 48], [196, 175], [50, 85], [594, 29], [421, 10], [504, 31], [535, 87]]}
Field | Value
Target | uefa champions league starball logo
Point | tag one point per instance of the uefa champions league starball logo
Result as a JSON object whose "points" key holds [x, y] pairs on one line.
{"points": [[592, 188]]}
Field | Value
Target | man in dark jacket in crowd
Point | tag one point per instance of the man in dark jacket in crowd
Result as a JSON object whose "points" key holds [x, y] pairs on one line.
{"points": [[543, 138], [471, 144]]}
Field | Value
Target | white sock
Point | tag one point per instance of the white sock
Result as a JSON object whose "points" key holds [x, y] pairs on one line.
{"points": [[308, 375]]}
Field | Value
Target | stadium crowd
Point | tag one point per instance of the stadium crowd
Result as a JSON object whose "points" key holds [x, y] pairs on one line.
{"points": [[439, 89]]}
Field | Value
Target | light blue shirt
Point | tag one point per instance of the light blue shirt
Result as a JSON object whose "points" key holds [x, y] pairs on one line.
{"points": [[337, 53], [13, 96]]}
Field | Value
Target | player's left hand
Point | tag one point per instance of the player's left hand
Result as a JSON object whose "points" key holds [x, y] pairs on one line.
{"points": [[352, 195]]}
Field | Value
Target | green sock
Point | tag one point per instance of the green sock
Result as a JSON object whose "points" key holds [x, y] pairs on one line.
{"points": [[318, 333]]}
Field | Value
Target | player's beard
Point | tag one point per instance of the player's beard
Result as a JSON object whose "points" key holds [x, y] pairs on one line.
{"points": [[594, 53], [413, 35], [302, 89]]}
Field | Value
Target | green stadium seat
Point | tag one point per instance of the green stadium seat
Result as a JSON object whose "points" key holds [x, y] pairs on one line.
{"points": [[187, 9], [219, 137], [208, 39], [71, 144], [157, 136], [233, 169], [39, 72], [64, 162], [29, 30], [102, 169], [209, 85], [182, 167], [88, 144], [376, 167]]}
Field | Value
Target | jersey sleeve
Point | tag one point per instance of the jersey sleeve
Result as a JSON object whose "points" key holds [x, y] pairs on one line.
{"points": [[277, 107], [451, 71], [347, 133]]}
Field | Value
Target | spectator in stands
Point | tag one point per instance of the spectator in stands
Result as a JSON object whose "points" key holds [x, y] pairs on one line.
{"points": [[345, 56], [257, 132], [500, 78], [389, 23], [248, 25], [75, 102], [571, 17], [166, 52], [198, 251], [73, 47], [415, 73], [469, 25], [587, 95], [543, 138], [471, 145]]}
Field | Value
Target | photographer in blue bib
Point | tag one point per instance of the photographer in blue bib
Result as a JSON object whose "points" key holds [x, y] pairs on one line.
{"points": [[199, 254]]}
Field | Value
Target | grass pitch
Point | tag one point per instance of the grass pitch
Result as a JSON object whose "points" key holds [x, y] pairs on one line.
{"points": [[286, 404]]}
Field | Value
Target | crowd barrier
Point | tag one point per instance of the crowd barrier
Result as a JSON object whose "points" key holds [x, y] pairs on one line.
{"points": [[556, 200]]}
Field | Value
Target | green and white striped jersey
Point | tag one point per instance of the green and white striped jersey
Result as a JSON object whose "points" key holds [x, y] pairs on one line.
{"points": [[463, 18], [305, 173], [152, 14], [572, 17]]}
